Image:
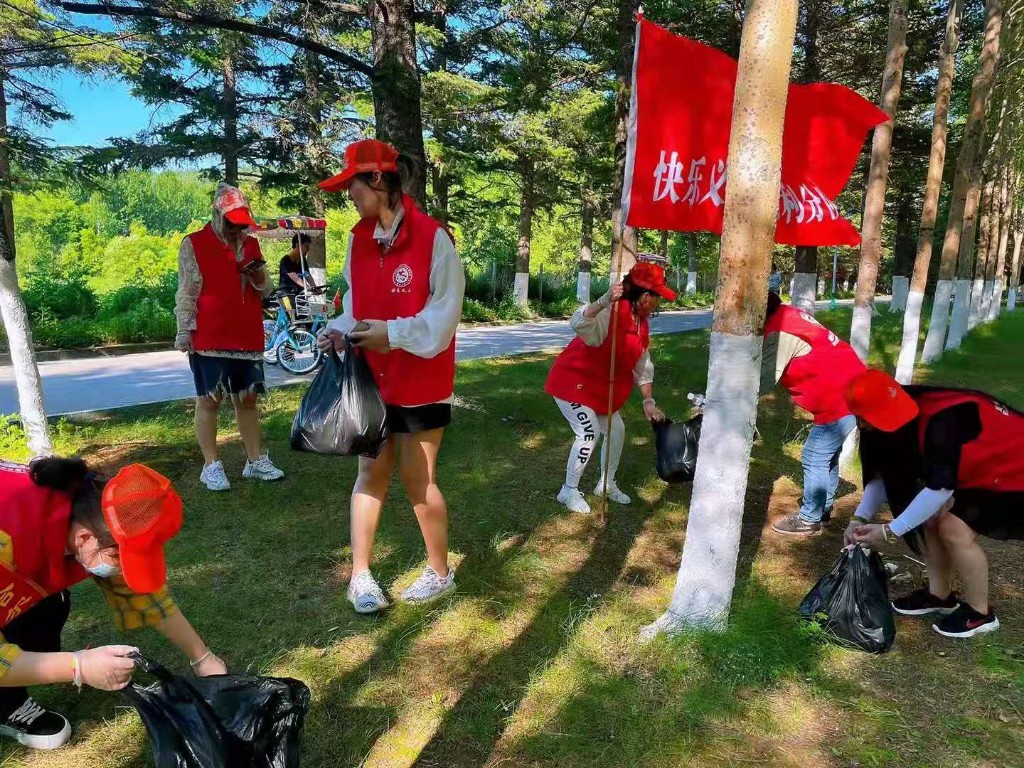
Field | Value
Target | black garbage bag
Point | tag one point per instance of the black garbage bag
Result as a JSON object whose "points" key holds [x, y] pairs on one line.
{"points": [[676, 446], [224, 721], [342, 412], [851, 602]]}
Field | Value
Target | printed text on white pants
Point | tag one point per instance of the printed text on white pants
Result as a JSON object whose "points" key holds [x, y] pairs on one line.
{"points": [[587, 426]]}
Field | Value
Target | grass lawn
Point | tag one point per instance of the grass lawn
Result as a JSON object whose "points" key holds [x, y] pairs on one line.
{"points": [[533, 662]]}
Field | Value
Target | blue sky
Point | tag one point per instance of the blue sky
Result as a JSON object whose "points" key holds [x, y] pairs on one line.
{"points": [[102, 108]]}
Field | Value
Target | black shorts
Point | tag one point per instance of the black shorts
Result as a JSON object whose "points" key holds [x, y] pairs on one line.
{"points": [[988, 513], [219, 376], [403, 420]]}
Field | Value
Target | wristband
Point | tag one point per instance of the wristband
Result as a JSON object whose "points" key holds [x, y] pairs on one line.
{"points": [[885, 532], [649, 400], [76, 667], [858, 519], [201, 659], [606, 300]]}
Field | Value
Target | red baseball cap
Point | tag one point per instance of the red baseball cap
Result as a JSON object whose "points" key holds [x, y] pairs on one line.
{"points": [[878, 398], [143, 512], [232, 205], [240, 216], [364, 156], [651, 277]]}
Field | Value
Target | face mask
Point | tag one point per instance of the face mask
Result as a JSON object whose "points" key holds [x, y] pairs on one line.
{"points": [[100, 570]]}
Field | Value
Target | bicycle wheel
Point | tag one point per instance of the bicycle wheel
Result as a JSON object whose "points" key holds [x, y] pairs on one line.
{"points": [[301, 355], [269, 350]]}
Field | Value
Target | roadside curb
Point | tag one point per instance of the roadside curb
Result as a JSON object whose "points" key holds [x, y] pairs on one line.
{"points": [[116, 350]]}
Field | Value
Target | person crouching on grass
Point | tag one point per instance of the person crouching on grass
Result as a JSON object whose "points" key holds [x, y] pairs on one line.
{"points": [[402, 308], [59, 524], [950, 464], [579, 378]]}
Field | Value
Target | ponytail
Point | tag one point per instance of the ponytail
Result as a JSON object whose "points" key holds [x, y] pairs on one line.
{"points": [[73, 477], [392, 182]]}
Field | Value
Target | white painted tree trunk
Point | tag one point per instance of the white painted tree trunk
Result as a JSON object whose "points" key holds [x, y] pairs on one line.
{"points": [[961, 311], [803, 295], [691, 283], [936, 337], [860, 331], [23, 361], [988, 301], [583, 288], [979, 300], [908, 347], [1011, 299], [900, 290], [707, 573], [521, 291], [996, 300]]}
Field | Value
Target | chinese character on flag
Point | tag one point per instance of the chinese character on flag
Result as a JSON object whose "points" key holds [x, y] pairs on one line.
{"points": [[679, 124]]}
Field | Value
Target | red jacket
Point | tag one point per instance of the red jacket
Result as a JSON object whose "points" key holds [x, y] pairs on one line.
{"points": [[580, 372], [817, 380], [228, 317], [393, 284], [34, 525]]}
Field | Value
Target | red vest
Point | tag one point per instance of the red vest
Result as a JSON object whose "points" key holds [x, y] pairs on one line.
{"points": [[34, 524], [817, 381], [994, 461], [227, 317], [580, 373], [393, 284]]}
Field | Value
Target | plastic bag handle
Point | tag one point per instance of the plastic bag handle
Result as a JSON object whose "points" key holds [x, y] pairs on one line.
{"points": [[154, 668]]}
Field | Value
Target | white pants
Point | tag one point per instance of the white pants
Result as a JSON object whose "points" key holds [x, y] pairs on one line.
{"points": [[587, 425]]}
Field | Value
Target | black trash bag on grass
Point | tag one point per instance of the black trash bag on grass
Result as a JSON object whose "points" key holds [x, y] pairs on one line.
{"points": [[223, 721], [676, 446], [342, 413], [851, 602]]}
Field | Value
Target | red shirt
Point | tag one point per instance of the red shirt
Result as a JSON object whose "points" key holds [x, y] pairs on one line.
{"points": [[393, 283], [228, 316], [580, 372]]}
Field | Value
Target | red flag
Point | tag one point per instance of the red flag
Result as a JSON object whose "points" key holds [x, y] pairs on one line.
{"points": [[680, 121], [337, 300]]}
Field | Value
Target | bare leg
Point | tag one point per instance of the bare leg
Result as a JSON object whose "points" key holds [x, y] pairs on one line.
{"points": [[968, 558], [248, 415], [940, 566], [418, 463], [368, 496], [206, 427]]}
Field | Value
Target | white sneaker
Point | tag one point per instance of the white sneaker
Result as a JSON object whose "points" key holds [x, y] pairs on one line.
{"points": [[573, 500], [365, 593], [614, 494], [262, 469], [429, 586], [213, 477], [666, 624]]}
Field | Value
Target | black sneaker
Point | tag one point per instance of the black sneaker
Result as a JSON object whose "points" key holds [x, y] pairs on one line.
{"points": [[36, 727], [921, 602], [967, 622], [794, 525]]}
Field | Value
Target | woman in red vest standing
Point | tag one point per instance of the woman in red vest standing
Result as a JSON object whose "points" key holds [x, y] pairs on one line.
{"points": [[402, 308], [579, 378], [222, 280], [950, 465], [60, 524]]}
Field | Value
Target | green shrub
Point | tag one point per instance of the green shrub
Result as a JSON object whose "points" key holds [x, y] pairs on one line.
{"points": [[510, 312], [474, 311], [61, 292], [147, 321], [48, 330], [129, 296]]}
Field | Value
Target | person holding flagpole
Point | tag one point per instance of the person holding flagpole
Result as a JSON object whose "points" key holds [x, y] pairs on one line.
{"points": [[579, 378]]}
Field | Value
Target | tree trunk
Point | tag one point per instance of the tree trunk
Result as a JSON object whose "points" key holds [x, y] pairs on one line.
{"points": [[970, 147], [995, 300], [707, 573], [1018, 240], [230, 112], [526, 204], [932, 189], [12, 308], [989, 216], [586, 250], [397, 102], [804, 291], [624, 242], [316, 153], [691, 267], [874, 203], [903, 260], [440, 186]]}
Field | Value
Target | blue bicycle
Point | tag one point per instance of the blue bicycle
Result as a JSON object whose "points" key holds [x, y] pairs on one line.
{"points": [[291, 344]]}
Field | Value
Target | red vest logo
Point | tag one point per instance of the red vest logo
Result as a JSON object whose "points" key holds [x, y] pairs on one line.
{"points": [[403, 276]]}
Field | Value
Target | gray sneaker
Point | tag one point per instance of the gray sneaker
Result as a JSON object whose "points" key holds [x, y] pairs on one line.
{"points": [[262, 469], [365, 593], [429, 586], [213, 477]]}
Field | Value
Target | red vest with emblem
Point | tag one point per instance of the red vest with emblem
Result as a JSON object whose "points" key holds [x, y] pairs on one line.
{"points": [[580, 373], [816, 381], [993, 461], [395, 283], [228, 316], [34, 524]]}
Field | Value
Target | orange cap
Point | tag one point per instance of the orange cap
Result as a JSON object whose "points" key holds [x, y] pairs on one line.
{"points": [[240, 216], [878, 398], [364, 156], [144, 513], [651, 277]]}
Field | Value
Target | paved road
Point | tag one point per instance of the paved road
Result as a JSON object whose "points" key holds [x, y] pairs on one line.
{"points": [[97, 384]]}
